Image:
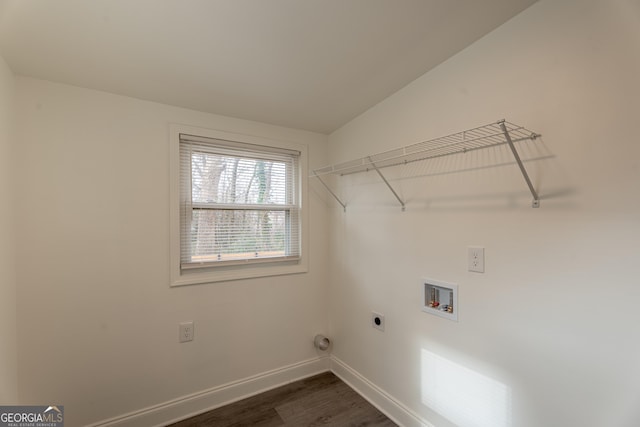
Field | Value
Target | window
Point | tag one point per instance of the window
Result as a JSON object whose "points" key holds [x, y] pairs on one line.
{"points": [[239, 204]]}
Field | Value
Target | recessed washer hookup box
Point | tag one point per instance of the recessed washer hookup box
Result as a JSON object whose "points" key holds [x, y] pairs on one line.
{"points": [[440, 298]]}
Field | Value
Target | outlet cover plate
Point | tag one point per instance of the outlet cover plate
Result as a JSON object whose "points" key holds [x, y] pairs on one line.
{"points": [[475, 257], [185, 331]]}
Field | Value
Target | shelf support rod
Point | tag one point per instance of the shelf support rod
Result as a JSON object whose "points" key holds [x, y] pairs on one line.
{"points": [[386, 182], [344, 207], [534, 193]]}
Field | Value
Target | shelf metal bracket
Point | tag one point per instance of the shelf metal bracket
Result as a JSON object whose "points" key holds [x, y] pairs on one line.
{"points": [[536, 200], [386, 182], [344, 207]]}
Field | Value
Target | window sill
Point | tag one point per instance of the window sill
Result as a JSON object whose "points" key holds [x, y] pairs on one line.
{"points": [[212, 275]]}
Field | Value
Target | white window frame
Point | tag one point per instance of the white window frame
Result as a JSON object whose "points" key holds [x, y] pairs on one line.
{"points": [[210, 274]]}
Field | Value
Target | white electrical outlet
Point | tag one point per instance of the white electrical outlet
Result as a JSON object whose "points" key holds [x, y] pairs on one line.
{"points": [[377, 320], [475, 259], [185, 331]]}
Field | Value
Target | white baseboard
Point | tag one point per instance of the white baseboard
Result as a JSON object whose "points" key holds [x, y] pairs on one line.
{"points": [[389, 406], [196, 403]]}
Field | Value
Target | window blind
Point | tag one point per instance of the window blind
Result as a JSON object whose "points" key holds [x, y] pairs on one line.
{"points": [[239, 203]]}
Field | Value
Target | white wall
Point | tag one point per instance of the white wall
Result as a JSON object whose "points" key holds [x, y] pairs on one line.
{"points": [[97, 318], [8, 355], [553, 320]]}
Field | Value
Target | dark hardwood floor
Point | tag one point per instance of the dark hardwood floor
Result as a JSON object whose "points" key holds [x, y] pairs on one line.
{"points": [[321, 400]]}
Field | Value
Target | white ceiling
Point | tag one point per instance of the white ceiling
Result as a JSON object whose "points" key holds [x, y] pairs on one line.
{"points": [[308, 64]]}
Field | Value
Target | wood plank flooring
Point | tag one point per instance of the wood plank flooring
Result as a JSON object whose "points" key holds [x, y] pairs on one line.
{"points": [[321, 400]]}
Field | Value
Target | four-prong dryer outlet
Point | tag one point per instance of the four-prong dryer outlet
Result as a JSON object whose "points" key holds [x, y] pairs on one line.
{"points": [[377, 320]]}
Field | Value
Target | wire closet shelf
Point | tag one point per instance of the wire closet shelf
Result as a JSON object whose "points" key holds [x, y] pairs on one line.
{"points": [[490, 135]]}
